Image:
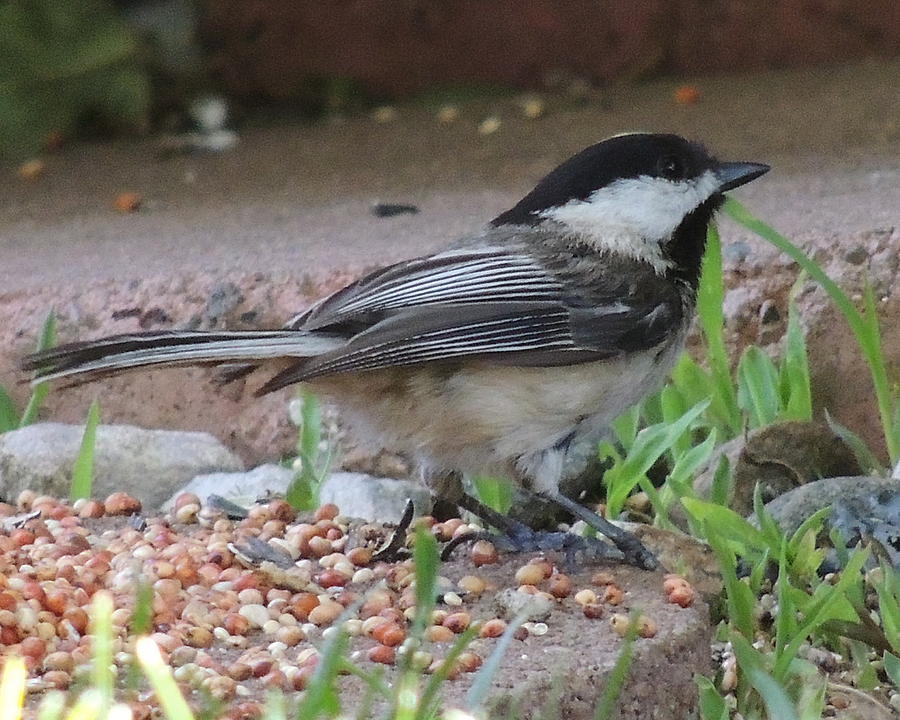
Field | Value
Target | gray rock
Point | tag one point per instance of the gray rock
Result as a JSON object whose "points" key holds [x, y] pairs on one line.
{"points": [[510, 602], [853, 494], [243, 488], [371, 498], [896, 473], [148, 464], [778, 458]]}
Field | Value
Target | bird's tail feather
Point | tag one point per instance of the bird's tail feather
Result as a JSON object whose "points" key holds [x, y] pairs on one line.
{"points": [[92, 359]]}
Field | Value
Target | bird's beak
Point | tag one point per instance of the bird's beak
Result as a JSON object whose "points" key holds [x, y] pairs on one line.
{"points": [[734, 174]]}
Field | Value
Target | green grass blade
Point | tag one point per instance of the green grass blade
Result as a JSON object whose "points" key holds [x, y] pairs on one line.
{"points": [[889, 607], [773, 694], [786, 619], [820, 611], [626, 426], [721, 486], [52, 705], [481, 686], [426, 561], [161, 680], [648, 447], [712, 704], [728, 524], [88, 706], [320, 697], [39, 392], [892, 668], [311, 428], [865, 328], [496, 493], [303, 491], [9, 416], [102, 676], [674, 405], [429, 699], [710, 298], [861, 451], [795, 385], [767, 525], [83, 470], [692, 381], [691, 461], [813, 524], [275, 706], [142, 617], [12, 688], [758, 387], [619, 673]]}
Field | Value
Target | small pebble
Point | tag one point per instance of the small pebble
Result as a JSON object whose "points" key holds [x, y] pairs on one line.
{"points": [[457, 622], [489, 125], [682, 596], [560, 586], [592, 610], [452, 599], [363, 575], [484, 553], [383, 654], [469, 661], [529, 574], [120, 503], [646, 627], [128, 202], [532, 107], [439, 634], [447, 114], [256, 614], [602, 578], [493, 628], [472, 584], [619, 623], [686, 95], [31, 170], [385, 114], [613, 595]]}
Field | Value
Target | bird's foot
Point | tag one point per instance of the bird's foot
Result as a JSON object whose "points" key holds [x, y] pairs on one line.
{"points": [[633, 550], [525, 540]]}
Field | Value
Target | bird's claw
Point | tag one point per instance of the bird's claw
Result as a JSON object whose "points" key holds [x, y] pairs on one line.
{"points": [[391, 550]]}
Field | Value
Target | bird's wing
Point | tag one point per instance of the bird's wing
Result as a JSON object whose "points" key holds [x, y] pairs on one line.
{"points": [[491, 305], [454, 277]]}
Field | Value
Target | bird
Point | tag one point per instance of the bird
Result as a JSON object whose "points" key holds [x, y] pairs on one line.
{"points": [[502, 351]]}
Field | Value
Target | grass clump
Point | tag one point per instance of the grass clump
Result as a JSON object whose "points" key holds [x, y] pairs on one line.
{"points": [[65, 61], [312, 464]]}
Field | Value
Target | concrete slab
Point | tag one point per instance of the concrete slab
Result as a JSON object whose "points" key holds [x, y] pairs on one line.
{"points": [[296, 197]]}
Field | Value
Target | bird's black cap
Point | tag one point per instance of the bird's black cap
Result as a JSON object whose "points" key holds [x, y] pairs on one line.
{"points": [[624, 156]]}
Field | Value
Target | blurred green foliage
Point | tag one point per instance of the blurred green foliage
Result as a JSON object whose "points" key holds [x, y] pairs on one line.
{"points": [[64, 62]]}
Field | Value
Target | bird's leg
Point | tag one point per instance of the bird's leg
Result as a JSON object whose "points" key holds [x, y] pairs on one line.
{"points": [[633, 549], [507, 525]]}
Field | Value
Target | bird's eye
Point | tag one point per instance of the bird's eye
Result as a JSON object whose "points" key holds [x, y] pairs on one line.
{"points": [[671, 168]]}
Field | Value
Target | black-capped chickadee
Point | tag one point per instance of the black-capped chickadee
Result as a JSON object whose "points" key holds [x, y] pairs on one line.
{"points": [[499, 353]]}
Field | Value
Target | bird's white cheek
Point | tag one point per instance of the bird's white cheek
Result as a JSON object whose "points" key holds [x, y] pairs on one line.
{"points": [[635, 215]]}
